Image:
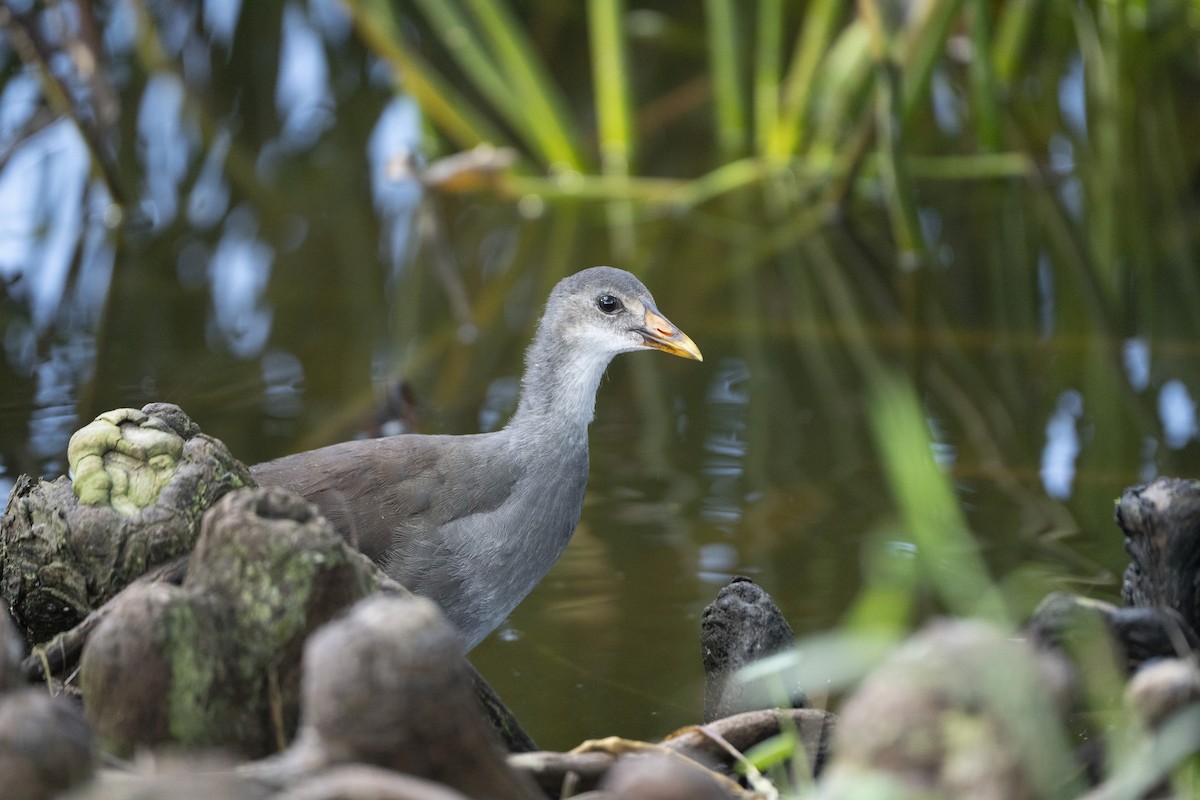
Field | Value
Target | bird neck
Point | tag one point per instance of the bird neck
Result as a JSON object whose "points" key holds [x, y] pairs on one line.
{"points": [[558, 389]]}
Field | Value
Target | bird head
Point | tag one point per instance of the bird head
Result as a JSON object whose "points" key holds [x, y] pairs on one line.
{"points": [[608, 311]]}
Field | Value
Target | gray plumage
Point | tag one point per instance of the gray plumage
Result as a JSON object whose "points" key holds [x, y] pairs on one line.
{"points": [[474, 522]]}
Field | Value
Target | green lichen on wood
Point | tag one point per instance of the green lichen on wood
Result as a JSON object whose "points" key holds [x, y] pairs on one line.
{"points": [[188, 636], [271, 571], [123, 459], [215, 660]]}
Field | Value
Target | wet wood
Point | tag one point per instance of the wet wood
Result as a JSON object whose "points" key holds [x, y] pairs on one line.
{"points": [[1160, 590], [816, 729], [215, 660], [1161, 522], [1137, 635], [46, 747], [143, 480], [388, 685], [741, 626], [53, 659], [707, 745]]}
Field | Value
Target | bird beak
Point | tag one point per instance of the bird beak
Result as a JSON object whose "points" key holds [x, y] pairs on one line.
{"points": [[658, 332]]}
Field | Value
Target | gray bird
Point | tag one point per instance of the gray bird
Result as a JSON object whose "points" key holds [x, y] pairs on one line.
{"points": [[474, 522]]}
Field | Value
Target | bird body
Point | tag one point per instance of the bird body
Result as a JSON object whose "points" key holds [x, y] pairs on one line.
{"points": [[475, 521]]}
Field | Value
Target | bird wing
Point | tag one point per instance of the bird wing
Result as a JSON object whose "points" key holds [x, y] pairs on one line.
{"points": [[392, 495]]}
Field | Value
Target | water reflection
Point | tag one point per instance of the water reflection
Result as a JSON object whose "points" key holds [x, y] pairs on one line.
{"points": [[1062, 445], [332, 20], [725, 443], [1135, 356], [18, 103], [1061, 155], [499, 402], [55, 263], [283, 383], [166, 144], [238, 275], [220, 20], [1046, 305], [120, 32], [1177, 411], [208, 201], [1072, 97], [718, 562], [54, 416], [41, 217], [947, 107], [944, 453], [395, 191], [302, 96]]}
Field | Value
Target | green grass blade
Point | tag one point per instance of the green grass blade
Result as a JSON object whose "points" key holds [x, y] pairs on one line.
{"points": [[1015, 20], [540, 100], [886, 604], [949, 558], [1162, 751], [839, 96], [924, 45], [1104, 44], [610, 75], [893, 173], [820, 20], [983, 83], [724, 53], [445, 107], [890, 90], [766, 73], [454, 30], [984, 166]]}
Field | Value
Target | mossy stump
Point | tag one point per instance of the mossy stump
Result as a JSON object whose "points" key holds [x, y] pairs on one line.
{"points": [[141, 481], [216, 661]]}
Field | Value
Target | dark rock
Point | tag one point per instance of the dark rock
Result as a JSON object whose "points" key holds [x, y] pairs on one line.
{"points": [[1161, 522], [741, 626], [1134, 635], [389, 685], [45, 745], [961, 710], [663, 776], [361, 782], [1163, 687], [173, 776], [11, 651]]}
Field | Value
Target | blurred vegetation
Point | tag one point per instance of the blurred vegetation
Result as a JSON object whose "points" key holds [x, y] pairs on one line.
{"points": [[815, 105]]}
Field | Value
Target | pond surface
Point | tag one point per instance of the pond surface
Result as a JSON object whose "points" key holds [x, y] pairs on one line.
{"points": [[277, 272]]}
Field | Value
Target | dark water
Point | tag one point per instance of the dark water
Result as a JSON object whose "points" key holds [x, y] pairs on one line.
{"points": [[274, 271]]}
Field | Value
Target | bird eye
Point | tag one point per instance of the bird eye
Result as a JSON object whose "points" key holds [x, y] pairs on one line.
{"points": [[608, 304]]}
